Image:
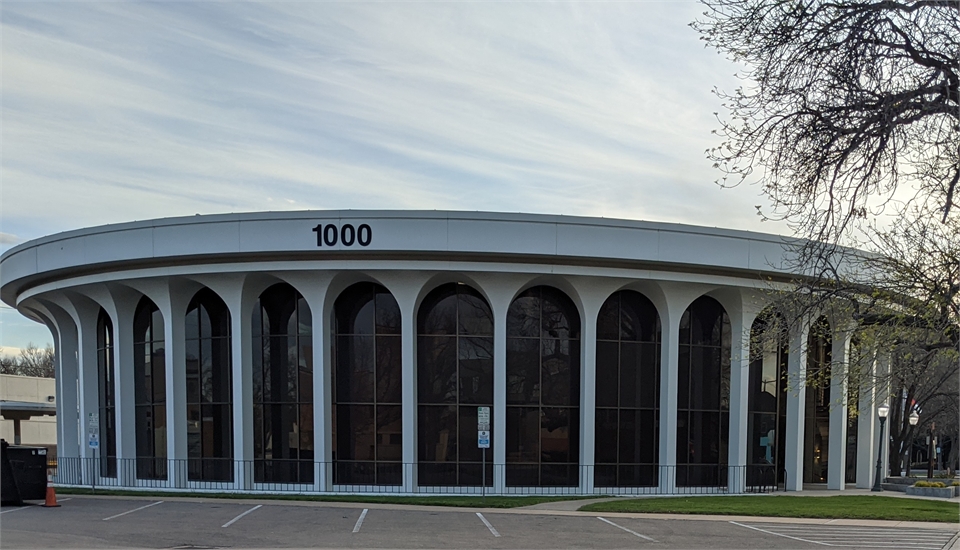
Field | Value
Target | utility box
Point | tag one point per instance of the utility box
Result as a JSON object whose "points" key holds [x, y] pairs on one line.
{"points": [[24, 473]]}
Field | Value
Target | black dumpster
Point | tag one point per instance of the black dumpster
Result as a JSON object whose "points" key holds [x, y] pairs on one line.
{"points": [[24, 473]]}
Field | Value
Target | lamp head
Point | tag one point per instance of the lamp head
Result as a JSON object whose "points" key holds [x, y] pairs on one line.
{"points": [[883, 410], [914, 418]]}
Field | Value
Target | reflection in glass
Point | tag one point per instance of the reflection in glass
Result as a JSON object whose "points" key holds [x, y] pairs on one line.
{"points": [[107, 389], [816, 424], [150, 391], [704, 395], [283, 437], [628, 382], [767, 408], [543, 390], [367, 384], [454, 377], [209, 388]]}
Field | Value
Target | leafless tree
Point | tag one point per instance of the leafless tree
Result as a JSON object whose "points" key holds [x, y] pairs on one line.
{"points": [[901, 295], [31, 361], [843, 104]]}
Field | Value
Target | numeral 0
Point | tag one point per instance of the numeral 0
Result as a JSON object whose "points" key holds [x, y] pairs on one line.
{"points": [[329, 234]]}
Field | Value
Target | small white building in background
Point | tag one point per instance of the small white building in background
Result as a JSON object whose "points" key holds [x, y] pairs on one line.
{"points": [[353, 351], [38, 430]]}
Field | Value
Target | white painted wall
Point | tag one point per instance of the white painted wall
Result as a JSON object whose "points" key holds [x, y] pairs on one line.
{"points": [[40, 430]]}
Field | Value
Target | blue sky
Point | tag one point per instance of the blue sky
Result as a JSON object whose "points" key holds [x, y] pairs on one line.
{"points": [[116, 111]]}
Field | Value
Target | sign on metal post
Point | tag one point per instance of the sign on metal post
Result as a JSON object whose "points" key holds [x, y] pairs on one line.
{"points": [[483, 419], [483, 427], [483, 442], [93, 430]]}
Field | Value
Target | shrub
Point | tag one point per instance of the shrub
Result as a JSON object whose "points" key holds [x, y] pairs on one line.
{"points": [[955, 483], [937, 484]]}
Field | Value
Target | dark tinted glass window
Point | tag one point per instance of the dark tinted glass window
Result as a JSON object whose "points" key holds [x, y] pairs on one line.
{"points": [[209, 388], [543, 389], [367, 384], [107, 389], [149, 366], [767, 409], [817, 403], [283, 436], [703, 395], [628, 390], [454, 377]]}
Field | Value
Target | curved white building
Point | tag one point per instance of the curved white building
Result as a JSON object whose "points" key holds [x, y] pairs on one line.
{"points": [[346, 351]]}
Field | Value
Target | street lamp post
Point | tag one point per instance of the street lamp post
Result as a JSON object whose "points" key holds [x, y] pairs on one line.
{"points": [[914, 418], [882, 411], [931, 447]]}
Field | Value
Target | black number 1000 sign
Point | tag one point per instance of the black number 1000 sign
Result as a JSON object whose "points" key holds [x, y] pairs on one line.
{"points": [[330, 234]]}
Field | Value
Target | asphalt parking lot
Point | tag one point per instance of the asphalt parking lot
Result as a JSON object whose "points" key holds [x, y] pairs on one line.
{"points": [[118, 522]]}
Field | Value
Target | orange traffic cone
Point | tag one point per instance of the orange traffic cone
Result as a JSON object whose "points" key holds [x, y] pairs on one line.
{"points": [[51, 500]]}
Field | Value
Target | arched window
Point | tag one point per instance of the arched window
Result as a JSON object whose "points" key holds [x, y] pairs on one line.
{"points": [[628, 391], [543, 390], [454, 377], [703, 408], [368, 427], [151, 391], [282, 387], [108, 403], [767, 416], [816, 424], [209, 388], [855, 377]]}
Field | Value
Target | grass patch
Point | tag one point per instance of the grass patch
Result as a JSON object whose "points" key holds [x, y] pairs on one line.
{"points": [[433, 500], [834, 507]]}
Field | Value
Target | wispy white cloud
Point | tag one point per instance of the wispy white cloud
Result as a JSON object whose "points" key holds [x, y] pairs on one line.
{"points": [[117, 111], [128, 111], [8, 238]]}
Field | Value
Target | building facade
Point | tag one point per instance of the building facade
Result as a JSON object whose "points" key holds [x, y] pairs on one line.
{"points": [[350, 351]]}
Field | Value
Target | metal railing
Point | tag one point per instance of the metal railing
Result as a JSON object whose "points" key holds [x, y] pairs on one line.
{"points": [[309, 477]]}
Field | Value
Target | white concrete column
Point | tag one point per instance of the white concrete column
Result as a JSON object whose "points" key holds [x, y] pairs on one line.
{"points": [[68, 406], [741, 322], [120, 304], [593, 299], [64, 334], [405, 288], [678, 298], [313, 287], [500, 295], [240, 297], [796, 400], [500, 289], [866, 427], [67, 385], [81, 314], [837, 452], [172, 297]]}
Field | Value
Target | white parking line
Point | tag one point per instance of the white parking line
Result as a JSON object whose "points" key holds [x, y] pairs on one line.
{"points": [[858, 537], [487, 523], [363, 514], [234, 520], [134, 510], [779, 534], [631, 531], [22, 507]]}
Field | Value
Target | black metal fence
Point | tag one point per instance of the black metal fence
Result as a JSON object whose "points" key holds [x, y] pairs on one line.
{"points": [[308, 477]]}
